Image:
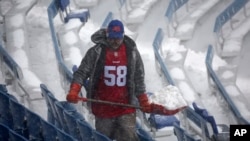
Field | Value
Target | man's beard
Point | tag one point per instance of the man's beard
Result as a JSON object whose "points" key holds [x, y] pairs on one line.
{"points": [[115, 45]]}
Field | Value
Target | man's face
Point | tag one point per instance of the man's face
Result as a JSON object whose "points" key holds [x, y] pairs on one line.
{"points": [[115, 43]]}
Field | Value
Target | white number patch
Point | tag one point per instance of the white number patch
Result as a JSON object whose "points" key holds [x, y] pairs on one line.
{"points": [[119, 78]]}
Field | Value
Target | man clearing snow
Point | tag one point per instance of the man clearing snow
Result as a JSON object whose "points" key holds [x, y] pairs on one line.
{"points": [[115, 72]]}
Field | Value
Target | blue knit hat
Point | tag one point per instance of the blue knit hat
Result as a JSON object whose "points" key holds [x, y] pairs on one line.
{"points": [[115, 29]]}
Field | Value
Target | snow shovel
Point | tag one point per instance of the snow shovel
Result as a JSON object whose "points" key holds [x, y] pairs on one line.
{"points": [[110, 103]]}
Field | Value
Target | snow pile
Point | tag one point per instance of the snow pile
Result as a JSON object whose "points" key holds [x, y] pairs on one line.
{"points": [[170, 97]]}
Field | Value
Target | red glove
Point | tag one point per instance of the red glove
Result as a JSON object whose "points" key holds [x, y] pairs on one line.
{"points": [[161, 110], [144, 103], [72, 96]]}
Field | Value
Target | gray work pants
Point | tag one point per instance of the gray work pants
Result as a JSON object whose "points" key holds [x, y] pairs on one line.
{"points": [[121, 128]]}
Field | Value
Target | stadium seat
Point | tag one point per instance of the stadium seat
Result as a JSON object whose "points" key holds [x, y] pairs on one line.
{"points": [[49, 131], [223, 135], [100, 137], [4, 132], [34, 125], [60, 106], [179, 132], [85, 129], [18, 113], [68, 14], [71, 119], [13, 136], [7, 134], [51, 114], [108, 19], [143, 135], [5, 115], [62, 136], [197, 109], [3, 88], [161, 121], [209, 118]]}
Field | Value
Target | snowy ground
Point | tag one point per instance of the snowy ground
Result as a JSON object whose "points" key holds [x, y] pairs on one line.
{"points": [[30, 45]]}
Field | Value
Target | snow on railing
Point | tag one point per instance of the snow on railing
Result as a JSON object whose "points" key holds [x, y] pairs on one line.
{"points": [[240, 119]]}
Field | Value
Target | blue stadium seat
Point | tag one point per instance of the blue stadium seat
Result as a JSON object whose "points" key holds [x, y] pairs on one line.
{"points": [[4, 132], [204, 114], [197, 109], [34, 125], [18, 113], [51, 114], [83, 15], [60, 106], [100, 137], [5, 115], [108, 19], [211, 120], [71, 119], [62, 136], [143, 135], [13, 136], [199, 121], [52, 101], [86, 131], [161, 121], [3, 88], [49, 131], [179, 132]]}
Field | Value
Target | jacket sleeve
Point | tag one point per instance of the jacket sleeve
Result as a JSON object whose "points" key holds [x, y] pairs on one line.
{"points": [[140, 87], [84, 70]]}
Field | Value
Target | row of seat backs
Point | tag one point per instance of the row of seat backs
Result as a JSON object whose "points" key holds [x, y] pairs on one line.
{"points": [[66, 117], [26, 123], [8, 134], [31, 126]]}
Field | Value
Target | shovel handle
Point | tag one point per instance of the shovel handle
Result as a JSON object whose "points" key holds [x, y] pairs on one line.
{"points": [[108, 102]]}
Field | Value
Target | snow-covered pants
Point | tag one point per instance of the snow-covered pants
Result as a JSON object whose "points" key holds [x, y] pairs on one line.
{"points": [[122, 128]]}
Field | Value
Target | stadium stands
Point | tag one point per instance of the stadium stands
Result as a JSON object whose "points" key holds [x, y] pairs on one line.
{"points": [[5, 116], [86, 131], [18, 123], [17, 111], [71, 123], [51, 114], [49, 131], [68, 14], [7, 134], [34, 125], [62, 136]]}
